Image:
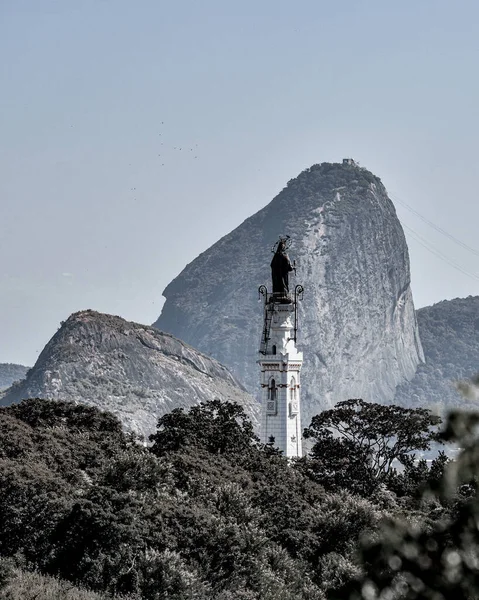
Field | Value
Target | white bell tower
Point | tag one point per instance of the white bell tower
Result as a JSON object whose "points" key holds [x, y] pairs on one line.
{"points": [[280, 361]]}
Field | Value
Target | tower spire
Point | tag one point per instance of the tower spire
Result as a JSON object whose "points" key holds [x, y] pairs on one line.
{"points": [[280, 362]]}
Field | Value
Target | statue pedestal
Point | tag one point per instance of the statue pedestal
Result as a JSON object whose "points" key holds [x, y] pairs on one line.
{"points": [[280, 384]]}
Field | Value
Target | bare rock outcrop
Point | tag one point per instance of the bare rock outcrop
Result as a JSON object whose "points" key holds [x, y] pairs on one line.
{"points": [[358, 327], [134, 371]]}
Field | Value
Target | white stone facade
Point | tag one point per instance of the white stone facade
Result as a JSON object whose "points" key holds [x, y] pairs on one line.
{"points": [[281, 385]]}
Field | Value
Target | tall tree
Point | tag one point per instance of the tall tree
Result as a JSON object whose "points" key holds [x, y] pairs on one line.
{"points": [[357, 442], [413, 561]]}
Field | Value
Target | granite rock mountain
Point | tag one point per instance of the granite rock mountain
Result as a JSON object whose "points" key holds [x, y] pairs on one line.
{"points": [[132, 370], [358, 327]]}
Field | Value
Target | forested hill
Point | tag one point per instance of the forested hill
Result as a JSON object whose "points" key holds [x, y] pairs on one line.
{"points": [[449, 332], [9, 373]]}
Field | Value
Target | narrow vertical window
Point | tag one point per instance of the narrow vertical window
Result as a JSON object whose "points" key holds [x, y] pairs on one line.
{"points": [[293, 404], [272, 405], [272, 390]]}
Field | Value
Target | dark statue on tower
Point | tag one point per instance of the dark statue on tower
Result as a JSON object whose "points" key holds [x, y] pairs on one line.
{"points": [[280, 268], [280, 300]]}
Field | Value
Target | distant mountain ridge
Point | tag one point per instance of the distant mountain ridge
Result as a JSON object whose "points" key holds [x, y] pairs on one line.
{"points": [[132, 370], [357, 328], [449, 332], [10, 373]]}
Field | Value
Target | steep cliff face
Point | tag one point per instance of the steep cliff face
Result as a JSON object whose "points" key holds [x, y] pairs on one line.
{"points": [[132, 370], [449, 333], [358, 327]]}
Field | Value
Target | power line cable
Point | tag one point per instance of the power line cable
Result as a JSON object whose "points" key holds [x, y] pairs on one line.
{"points": [[436, 227], [423, 242]]}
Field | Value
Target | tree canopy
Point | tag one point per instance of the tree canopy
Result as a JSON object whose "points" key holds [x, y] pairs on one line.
{"points": [[219, 427], [209, 513], [438, 559], [360, 441]]}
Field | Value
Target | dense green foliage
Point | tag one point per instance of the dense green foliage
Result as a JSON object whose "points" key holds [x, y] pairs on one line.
{"points": [[16, 584], [219, 427], [437, 560], [206, 512], [192, 517], [358, 444]]}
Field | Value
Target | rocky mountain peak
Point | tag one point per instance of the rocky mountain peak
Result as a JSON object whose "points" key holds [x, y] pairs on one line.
{"points": [[132, 370], [358, 328]]}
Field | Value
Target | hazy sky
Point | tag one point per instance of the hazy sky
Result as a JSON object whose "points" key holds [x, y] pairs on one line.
{"points": [[134, 134]]}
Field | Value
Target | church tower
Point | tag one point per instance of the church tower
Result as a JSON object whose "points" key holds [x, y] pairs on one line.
{"points": [[280, 361]]}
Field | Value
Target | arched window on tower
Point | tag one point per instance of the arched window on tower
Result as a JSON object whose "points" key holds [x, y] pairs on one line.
{"points": [[272, 404], [274, 349]]}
